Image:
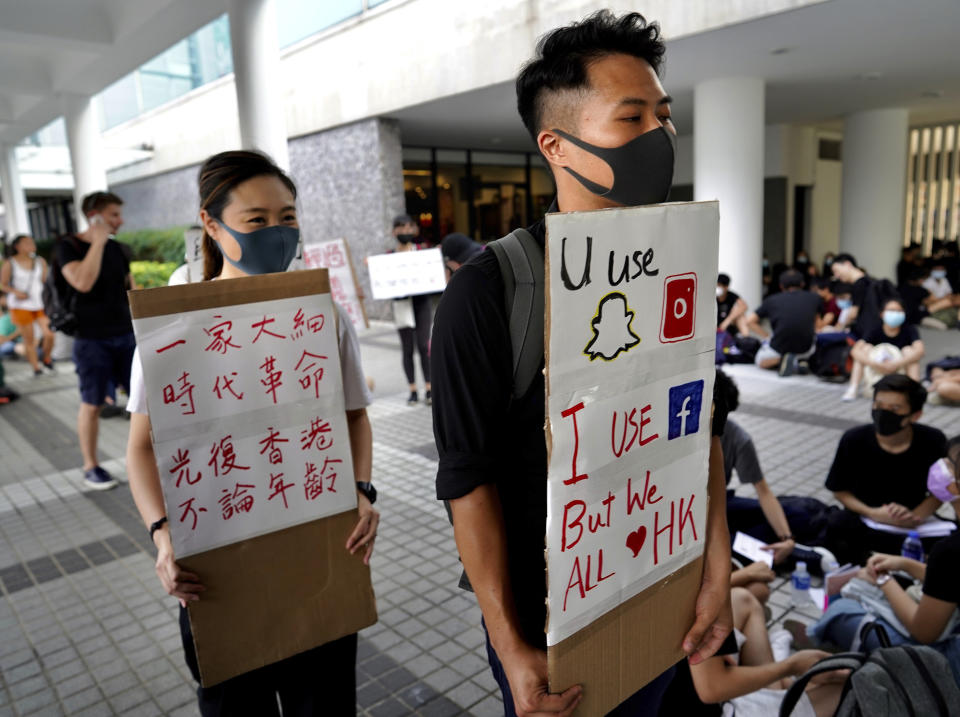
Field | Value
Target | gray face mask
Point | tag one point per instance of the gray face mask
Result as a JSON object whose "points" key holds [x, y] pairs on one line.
{"points": [[642, 168], [267, 250]]}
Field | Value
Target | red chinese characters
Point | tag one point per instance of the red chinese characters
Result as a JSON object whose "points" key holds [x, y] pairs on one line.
{"points": [[271, 446], [181, 467], [223, 457], [225, 383], [188, 509], [262, 326], [313, 480], [312, 373], [182, 395], [221, 338], [279, 488], [333, 257], [273, 378], [238, 501], [302, 324], [317, 436]]}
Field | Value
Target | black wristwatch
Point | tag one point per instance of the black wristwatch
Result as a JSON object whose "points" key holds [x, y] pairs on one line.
{"points": [[155, 526], [366, 487]]}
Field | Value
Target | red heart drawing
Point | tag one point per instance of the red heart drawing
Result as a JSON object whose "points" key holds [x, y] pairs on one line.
{"points": [[636, 539]]}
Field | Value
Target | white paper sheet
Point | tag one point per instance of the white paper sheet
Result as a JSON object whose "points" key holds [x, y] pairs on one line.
{"points": [[931, 528], [750, 547]]}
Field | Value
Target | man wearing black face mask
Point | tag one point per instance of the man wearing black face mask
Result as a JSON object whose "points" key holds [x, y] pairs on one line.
{"points": [[880, 473], [593, 103]]}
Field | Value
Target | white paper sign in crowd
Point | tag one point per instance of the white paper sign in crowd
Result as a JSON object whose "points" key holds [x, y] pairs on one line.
{"points": [[334, 256], [631, 334], [406, 273], [246, 407]]}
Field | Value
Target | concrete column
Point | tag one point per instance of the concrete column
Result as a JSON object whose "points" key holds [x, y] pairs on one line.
{"points": [[86, 150], [14, 200], [256, 67], [874, 188], [728, 139]]}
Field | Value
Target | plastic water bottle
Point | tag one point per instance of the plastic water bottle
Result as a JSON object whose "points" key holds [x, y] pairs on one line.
{"points": [[912, 547], [800, 583]]}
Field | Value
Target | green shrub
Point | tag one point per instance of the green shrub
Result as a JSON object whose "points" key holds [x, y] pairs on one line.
{"points": [[159, 245], [148, 274]]}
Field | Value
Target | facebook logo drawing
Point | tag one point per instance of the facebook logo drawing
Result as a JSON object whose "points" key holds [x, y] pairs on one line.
{"points": [[684, 413]]}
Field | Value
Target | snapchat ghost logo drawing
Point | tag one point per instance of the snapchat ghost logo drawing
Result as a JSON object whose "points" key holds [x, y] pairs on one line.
{"points": [[612, 333]]}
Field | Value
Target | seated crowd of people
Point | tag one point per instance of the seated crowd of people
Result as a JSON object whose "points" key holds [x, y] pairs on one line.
{"points": [[889, 477], [846, 325]]}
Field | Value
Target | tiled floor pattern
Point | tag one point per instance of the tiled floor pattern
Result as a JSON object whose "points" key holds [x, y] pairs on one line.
{"points": [[85, 628]]}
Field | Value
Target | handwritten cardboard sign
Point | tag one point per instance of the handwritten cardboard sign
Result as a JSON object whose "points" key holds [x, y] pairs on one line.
{"points": [[249, 430], [334, 256], [630, 342], [406, 273]]}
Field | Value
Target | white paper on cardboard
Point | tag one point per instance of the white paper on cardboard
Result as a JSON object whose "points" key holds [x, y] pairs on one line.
{"points": [[406, 273], [630, 369], [247, 413]]}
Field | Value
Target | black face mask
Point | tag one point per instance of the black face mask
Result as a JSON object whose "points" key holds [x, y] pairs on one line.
{"points": [[886, 423], [642, 168], [406, 238]]}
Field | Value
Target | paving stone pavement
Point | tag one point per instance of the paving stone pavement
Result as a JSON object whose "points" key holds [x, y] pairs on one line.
{"points": [[86, 629]]}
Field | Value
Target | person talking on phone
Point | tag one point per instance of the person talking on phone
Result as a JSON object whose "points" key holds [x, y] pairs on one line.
{"points": [[96, 268]]}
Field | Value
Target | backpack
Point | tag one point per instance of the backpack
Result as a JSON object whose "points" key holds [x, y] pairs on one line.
{"points": [[522, 267], [59, 298], [832, 359], [902, 680]]}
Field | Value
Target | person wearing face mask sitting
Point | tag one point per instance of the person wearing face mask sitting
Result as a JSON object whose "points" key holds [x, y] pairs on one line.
{"points": [[933, 619], [880, 470], [947, 301], [893, 347], [793, 316]]}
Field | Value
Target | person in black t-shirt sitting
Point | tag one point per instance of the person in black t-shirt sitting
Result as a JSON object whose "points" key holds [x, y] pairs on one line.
{"points": [[927, 619], [95, 265], [893, 347], [880, 473], [793, 316], [731, 309]]}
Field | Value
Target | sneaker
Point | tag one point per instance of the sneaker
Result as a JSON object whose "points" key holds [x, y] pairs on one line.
{"points": [[934, 398], [850, 394], [7, 395], [49, 367], [427, 399], [412, 401], [98, 479], [788, 364], [37, 372]]}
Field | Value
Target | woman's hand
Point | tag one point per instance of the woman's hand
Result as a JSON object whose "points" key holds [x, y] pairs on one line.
{"points": [[881, 563], [21, 294], [365, 532], [182, 585], [781, 549]]}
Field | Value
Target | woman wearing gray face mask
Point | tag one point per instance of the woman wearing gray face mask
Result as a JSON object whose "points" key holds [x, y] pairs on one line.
{"points": [[249, 216]]}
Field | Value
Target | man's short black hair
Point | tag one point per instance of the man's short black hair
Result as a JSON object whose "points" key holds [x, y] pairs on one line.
{"points": [[723, 279], [727, 390], [791, 279], [564, 54], [898, 383], [401, 220], [846, 258], [841, 287], [822, 282], [98, 201]]}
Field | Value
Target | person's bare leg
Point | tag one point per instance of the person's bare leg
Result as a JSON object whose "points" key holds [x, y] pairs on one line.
{"points": [[769, 363], [742, 326], [748, 614], [87, 427], [30, 346], [947, 389], [913, 367], [825, 698], [759, 590], [856, 376], [47, 341]]}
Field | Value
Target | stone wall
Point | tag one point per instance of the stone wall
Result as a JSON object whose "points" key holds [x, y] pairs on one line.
{"points": [[350, 185]]}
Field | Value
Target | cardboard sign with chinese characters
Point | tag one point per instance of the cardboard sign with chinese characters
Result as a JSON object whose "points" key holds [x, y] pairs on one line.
{"points": [[630, 347], [334, 256], [406, 273], [246, 408]]}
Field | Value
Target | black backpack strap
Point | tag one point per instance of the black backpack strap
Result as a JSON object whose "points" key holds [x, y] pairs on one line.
{"points": [[932, 687], [843, 661], [522, 268], [874, 626]]}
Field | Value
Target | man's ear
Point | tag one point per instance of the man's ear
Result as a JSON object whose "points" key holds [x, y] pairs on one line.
{"points": [[553, 148], [915, 417]]}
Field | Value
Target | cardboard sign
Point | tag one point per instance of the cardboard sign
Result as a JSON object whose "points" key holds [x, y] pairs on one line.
{"points": [[249, 430], [334, 256], [406, 273], [630, 368]]}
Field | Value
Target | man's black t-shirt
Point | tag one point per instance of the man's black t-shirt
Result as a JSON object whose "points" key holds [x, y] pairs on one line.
{"points": [[907, 335], [724, 307], [913, 297], [877, 477], [943, 580], [793, 316], [102, 312], [483, 436]]}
